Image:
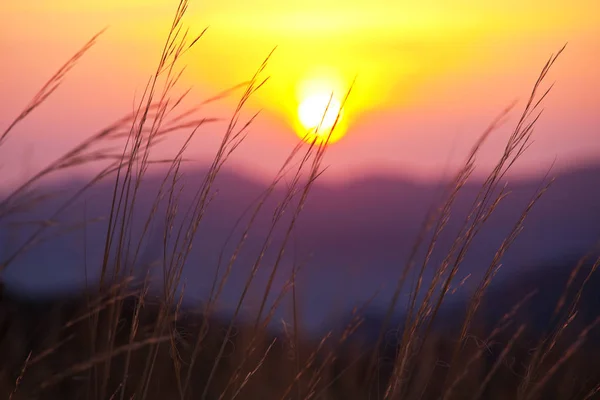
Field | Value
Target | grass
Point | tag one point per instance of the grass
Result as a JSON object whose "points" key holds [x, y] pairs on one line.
{"points": [[119, 340]]}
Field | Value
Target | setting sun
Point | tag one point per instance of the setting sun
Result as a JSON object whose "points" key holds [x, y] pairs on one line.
{"points": [[319, 111], [318, 114]]}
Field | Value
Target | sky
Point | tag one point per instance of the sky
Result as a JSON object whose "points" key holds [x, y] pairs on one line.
{"points": [[430, 76]]}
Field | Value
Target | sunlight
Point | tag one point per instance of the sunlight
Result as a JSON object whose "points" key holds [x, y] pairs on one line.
{"points": [[319, 111], [318, 115]]}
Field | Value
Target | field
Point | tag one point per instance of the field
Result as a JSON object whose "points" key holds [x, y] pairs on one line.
{"points": [[134, 335]]}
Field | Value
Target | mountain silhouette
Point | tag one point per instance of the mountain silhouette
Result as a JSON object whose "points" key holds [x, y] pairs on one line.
{"points": [[350, 242]]}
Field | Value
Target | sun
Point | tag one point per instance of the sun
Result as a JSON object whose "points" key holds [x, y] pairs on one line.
{"points": [[318, 113], [319, 110]]}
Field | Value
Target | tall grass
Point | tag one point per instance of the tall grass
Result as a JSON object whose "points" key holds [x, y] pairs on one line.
{"points": [[122, 343]]}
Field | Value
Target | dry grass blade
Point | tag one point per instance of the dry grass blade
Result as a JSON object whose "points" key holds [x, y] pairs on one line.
{"points": [[548, 342], [499, 360], [593, 393], [51, 85], [436, 219], [251, 373], [483, 207], [314, 172], [500, 327], [20, 377], [573, 348], [83, 366]]}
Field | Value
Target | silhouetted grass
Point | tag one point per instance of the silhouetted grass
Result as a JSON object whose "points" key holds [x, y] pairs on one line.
{"points": [[120, 340]]}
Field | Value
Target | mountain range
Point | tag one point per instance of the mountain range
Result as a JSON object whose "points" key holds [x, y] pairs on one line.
{"points": [[350, 241]]}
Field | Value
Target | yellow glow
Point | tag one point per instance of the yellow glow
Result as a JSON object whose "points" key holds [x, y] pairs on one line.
{"points": [[405, 55], [318, 114], [319, 110], [318, 107]]}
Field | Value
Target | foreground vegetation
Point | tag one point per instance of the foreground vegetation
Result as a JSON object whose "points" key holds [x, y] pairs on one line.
{"points": [[120, 340]]}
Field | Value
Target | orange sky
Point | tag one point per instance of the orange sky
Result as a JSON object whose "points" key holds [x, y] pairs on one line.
{"points": [[430, 76]]}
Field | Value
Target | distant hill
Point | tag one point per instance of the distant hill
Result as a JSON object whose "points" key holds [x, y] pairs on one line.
{"points": [[351, 239]]}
